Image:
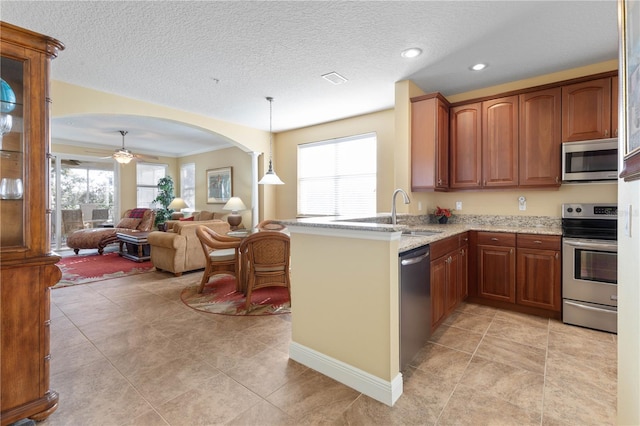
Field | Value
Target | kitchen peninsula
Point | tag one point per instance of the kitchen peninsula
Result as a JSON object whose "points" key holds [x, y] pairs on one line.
{"points": [[345, 292]]}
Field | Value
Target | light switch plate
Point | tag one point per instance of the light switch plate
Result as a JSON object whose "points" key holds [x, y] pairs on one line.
{"points": [[522, 203], [458, 205]]}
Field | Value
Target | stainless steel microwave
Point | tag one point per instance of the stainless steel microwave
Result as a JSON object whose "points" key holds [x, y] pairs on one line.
{"points": [[590, 161]]}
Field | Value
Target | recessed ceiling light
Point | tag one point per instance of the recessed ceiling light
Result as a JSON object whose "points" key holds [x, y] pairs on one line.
{"points": [[334, 78], [412, 52], [478, 67]]}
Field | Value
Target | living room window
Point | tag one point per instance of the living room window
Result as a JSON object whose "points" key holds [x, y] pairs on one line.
{"points": [[188, 184], [147, 176], [338, 176]]}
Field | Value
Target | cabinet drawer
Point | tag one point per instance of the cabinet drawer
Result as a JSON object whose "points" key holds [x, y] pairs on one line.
{"points": [[497, 239], [543, 242], [442, 247]]}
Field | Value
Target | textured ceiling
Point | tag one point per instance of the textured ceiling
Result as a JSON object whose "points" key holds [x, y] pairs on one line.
{"points": [[221, 59]]}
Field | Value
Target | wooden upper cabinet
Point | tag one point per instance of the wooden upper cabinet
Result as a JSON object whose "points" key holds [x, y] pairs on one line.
{"points": [[586, 110], [466, 146], [500, 142], [540, 135], [429, 143]]}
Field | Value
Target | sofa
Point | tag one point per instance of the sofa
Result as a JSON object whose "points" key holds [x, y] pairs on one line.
{"points": [[98, 238], [195, 217], [178, 250]]}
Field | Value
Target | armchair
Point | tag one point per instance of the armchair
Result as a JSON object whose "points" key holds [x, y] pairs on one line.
{"points": [[179, 249]]}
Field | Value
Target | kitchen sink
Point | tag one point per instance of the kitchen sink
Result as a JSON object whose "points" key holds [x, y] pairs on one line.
{"points": [[410, 233]]}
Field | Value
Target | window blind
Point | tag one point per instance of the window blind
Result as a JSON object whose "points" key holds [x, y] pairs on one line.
{"points": [[337, 177]]}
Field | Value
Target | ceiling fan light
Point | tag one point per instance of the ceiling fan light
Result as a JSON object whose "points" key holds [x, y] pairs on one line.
{"points": [[123, 156]]}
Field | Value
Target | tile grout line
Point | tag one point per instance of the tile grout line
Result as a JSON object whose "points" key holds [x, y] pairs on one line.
{"points": [[465, 369], [544, 377]]}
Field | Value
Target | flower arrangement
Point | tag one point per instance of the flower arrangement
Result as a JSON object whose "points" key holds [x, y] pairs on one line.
{"points": [[442, 214]]}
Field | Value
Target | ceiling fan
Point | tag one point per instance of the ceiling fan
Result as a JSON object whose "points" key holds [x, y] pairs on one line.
{"points": [[124, 156]]}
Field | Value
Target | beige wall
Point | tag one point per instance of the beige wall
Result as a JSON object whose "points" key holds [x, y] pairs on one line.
{"points": [[539, 202], [394, 171], [240, 162], [629, 305], [71, 100], [382, 123], [326, 314]]}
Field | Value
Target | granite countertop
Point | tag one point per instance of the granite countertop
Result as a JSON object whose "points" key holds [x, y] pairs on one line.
{"points": [[541, 225]]}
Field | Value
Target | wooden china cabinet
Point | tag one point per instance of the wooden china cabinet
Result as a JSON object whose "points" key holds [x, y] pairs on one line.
{"points": [[27, 267]]}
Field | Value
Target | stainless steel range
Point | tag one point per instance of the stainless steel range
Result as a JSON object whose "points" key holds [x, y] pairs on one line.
{"points": [[590, 266]]}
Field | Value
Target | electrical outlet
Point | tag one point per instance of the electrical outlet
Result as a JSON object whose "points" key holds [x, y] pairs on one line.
{"points": [[458, 205], [522, 203]]}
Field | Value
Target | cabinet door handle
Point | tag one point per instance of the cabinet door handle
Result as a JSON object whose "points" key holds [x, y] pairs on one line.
{"points": [[557, 179], [615, 132], [494, 239], [537, 242], [606, 132], [557, 255], [461, 252], [510, 251], [439, 181]]}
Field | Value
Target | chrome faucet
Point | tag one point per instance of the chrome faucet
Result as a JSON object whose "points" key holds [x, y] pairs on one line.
{"points": [[393, 204]]}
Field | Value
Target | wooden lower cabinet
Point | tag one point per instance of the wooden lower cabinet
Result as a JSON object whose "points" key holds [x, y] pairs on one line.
{"points": [[448, 277], [539, 272], [520, 272], [24, 311], [497, 266]]}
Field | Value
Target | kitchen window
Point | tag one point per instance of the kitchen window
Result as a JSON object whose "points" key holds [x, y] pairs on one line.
{"points": [[337, 177], [147, 176]]}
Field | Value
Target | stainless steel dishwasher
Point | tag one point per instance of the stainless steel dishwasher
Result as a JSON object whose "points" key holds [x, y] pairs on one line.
{"points": [[415, 303]]}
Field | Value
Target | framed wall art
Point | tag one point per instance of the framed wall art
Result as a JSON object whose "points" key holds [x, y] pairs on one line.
{"points": [[630, 73], [219, 185]]}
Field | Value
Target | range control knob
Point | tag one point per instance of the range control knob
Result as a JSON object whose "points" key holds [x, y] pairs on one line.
{"points": [[578, 210], [570, 209]]}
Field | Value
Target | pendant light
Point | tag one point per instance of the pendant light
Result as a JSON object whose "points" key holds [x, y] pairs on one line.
{"points": [[270, 178]]}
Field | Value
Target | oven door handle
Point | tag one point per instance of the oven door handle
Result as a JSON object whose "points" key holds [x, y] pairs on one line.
{"points": [[589, 308], [605, 246]]}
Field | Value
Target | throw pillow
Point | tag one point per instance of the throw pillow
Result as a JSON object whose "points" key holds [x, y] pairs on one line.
{"points": [[128, 223], [185, 219], [137, 213], [205, 215]]}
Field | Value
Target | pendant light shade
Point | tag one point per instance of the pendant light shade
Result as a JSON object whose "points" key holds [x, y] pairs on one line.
{"points": [[270, 178]]}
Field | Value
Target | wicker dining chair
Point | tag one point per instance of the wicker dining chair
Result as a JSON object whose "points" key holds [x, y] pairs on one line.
{"points": [[265, 262], [221, 254]]}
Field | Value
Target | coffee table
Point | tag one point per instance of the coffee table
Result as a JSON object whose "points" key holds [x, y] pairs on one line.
{"points": [[136, 243]]}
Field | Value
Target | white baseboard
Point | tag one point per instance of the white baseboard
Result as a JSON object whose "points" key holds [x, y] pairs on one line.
{"points": [[368, 384]]}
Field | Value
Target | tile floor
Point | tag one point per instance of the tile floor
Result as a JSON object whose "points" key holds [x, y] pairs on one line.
{"points": [[128, 352]]}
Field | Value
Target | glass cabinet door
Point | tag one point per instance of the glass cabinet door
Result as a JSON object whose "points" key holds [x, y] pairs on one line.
{"points": [[12, 150]]}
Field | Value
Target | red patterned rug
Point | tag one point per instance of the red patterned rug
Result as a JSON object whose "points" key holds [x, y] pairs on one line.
{"points": [[219, 296], [78, 269]]}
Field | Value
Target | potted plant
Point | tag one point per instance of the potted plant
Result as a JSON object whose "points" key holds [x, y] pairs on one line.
{"points": [[164, 198], [442, 215]]}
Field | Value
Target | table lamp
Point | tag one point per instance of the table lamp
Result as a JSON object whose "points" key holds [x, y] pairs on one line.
{"points": [[177, 204], [234, 204]]}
